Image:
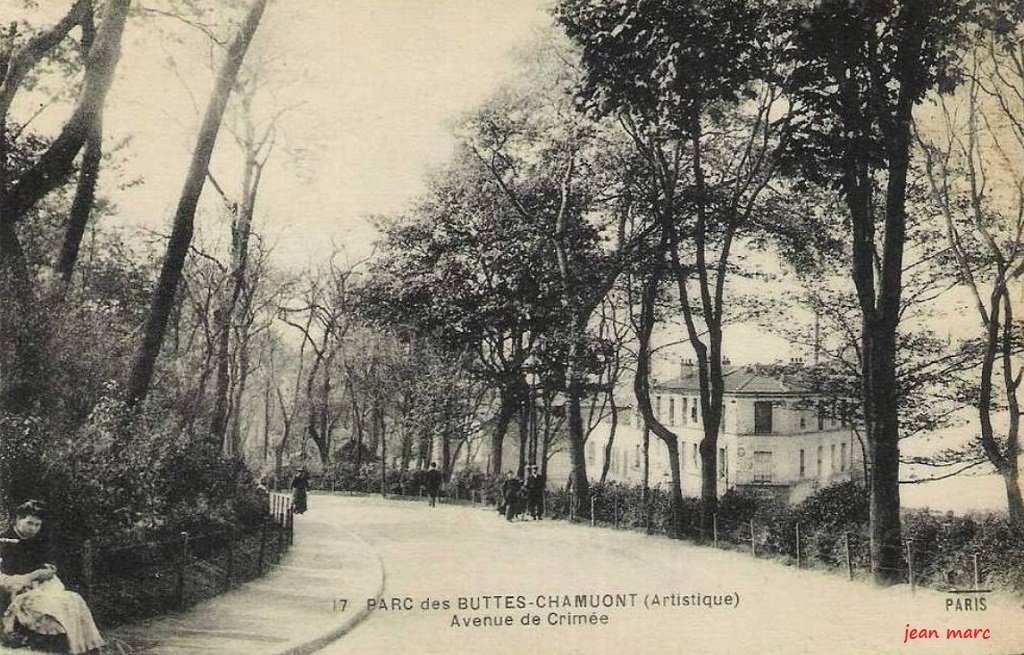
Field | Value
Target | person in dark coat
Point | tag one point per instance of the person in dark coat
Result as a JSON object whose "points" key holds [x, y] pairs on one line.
{"points": [[300, 484], [510, 489], [433, 483]]}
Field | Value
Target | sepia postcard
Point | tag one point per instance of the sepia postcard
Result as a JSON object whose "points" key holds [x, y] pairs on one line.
{"points": [[511, 326]]}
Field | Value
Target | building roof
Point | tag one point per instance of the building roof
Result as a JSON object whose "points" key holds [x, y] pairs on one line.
{"points": [[743, 380]]}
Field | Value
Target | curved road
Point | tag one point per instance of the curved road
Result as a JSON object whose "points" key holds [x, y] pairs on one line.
{"points": [[502, 571]]}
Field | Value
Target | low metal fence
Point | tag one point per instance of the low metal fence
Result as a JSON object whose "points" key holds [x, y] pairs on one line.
{"points": [[128, 582]]}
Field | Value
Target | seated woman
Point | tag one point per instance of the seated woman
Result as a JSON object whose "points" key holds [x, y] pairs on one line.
{"points": [[40, 604]]}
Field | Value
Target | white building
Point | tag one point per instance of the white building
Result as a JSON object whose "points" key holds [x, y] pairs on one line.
{"points": [[775, 436]]}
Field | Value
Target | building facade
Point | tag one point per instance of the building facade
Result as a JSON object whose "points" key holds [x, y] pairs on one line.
{"points": [[775, 437]]}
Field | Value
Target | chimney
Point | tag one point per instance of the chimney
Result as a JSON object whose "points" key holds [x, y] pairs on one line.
{"points": [[685, 366], [725, 361]]}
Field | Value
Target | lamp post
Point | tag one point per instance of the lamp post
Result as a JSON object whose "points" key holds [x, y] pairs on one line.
{"points": [[530, 366]]}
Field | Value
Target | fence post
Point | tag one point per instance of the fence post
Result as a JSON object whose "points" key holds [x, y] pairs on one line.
{"points": [[182, 564], [910, 565], [753, 540], [263, 546], [593, 518], [291, 526], [977, 573], [849, 559], [714, 529], [230, 564], [87, 564], [798, 558], [280, 539]]}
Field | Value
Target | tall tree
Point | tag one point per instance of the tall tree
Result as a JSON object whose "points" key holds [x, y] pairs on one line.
{"points": [[465, 269], [692, 84], [141, 372], [973, 165], [859, 70], [25, 184], [559, 172]]}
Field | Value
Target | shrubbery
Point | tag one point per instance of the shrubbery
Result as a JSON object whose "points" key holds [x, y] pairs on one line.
{"points": [[121, 480]]}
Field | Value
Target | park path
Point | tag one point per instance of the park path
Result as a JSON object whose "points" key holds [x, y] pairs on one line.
{"points": [[456, 552], [292, 610]]}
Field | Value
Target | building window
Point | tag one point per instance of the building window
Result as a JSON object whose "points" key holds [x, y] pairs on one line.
{"points": [[762, 466], [842, 457], [723, 466], [657, 407], [671, 411], [636, 457], [682, 410], [695, 454], [820, 451], [762, 417], [803, 422], [803, 464], [721, 420], [832, 459], [693, 412], [821, 416]]}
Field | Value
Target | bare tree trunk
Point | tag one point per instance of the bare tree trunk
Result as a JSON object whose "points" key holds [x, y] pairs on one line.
{"points": [[574, 392], [524, 436], [378, 413], [611, 438], [219, 420], [505, 413], [447, 456], [647, 463], [641, 389], [235, 431], [283, 444], [181, 234], [85, 192], [84, 200], [266, 422]]}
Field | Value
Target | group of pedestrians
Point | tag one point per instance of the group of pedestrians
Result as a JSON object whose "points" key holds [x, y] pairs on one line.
{"points": [[520, 494], [523, 495]]}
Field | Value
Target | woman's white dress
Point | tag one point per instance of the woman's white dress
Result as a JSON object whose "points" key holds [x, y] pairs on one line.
{"points": [[48, 608]]}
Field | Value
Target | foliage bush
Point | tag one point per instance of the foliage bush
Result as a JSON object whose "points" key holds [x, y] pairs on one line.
{"points": [[123, 480], [467, 481], [944, 545]]}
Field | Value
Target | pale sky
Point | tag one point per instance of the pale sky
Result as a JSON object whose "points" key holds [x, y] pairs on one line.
{"points": [[376, 86]]}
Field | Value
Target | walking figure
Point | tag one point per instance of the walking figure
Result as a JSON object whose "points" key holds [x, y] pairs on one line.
{"points": [[300, 483], [433, 481], [512, 501]]}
